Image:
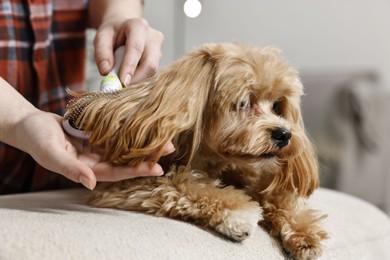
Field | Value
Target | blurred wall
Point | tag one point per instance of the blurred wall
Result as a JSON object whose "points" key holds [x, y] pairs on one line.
{"points": [[313, 34], [161, 15]]}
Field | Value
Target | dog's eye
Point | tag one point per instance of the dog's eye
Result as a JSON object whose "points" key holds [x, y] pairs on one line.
{"points": [[243, 104], [277, 107]]}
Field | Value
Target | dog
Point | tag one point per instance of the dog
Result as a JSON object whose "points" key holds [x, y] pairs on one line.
{"points": [[242, 155]]}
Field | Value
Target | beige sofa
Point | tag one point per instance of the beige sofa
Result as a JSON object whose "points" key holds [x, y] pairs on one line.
{"points": [[58, 225]]}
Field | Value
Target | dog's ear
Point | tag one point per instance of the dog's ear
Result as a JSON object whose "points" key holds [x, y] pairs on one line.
{"points": [[138, 121], [304, 169]]}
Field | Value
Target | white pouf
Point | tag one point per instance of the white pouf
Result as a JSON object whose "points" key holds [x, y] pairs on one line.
{"points": [[58, 225]]}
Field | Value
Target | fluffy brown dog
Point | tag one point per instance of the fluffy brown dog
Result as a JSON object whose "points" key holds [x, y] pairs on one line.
{"points": [[242, 156]]}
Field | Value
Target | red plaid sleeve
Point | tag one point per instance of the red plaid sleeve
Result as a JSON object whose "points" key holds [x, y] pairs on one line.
{"points": [[42, 51]]}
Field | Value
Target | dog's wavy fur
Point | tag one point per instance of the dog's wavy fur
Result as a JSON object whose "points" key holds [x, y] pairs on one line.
{"points": [[219, 105]]}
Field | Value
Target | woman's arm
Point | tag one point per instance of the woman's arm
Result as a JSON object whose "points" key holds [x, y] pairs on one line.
{"points": [[14, 108], [100, 11]]}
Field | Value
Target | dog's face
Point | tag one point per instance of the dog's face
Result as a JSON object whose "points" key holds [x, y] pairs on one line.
{"points": [[253, 115]]}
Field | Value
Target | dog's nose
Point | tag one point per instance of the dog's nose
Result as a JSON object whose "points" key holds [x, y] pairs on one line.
{"points": [[281, 136]]}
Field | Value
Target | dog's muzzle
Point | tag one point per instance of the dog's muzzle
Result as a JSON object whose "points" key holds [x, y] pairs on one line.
{"points": [[281, 136]]}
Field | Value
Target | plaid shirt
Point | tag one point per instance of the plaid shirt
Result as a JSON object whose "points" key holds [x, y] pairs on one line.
{"points": [[42, 51]]}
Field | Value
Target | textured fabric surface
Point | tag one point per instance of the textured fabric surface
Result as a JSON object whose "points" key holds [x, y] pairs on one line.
{"points": [[57, 225]]}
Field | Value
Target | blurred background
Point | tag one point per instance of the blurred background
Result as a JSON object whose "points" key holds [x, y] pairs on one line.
{"points": [[342, 51]]}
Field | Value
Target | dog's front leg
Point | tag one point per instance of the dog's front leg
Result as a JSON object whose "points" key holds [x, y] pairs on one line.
{"points": [[288, 218], [188, 196]]}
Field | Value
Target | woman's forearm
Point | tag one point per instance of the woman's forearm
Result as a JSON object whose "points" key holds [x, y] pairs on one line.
{"points": [[100, 11], [13, 108]]}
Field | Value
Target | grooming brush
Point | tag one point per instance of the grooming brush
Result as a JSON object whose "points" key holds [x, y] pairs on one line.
{"points": [[109, 83]]}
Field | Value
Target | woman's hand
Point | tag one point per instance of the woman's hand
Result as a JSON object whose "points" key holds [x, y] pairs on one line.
{"points": [[41, 135], [143, 48]]}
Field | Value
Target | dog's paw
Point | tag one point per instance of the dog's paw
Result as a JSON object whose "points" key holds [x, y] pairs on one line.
{"points": [[239, 224], [305, 246]]}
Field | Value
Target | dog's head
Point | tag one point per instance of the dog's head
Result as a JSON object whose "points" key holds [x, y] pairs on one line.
{"points": [[254, 118], [242, 103]]}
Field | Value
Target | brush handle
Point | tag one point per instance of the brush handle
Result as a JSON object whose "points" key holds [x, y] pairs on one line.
{"points": [[111, 82]]}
